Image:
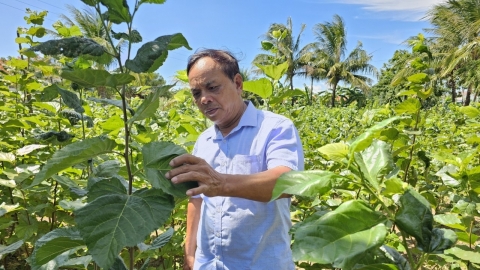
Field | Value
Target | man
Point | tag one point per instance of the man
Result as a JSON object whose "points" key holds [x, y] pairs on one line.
{"points": [[230, 222]]}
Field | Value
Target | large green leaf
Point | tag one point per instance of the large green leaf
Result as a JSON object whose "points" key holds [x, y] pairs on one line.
{"points": [[152, 1], [274, 72], [11, 248], [335, 151], [305, 183], [415, 217], [113, 221], [96, 77], [72, 154], [115, 102], [409, 106], [118, 11], [466, 255], [341, 237], [419, 78], [363, 141], [470, 111], [70, 47], [159, 242], [54, 243], [69, 98], [375, 162], [156, 156], [262, 87], [149, 105], [442, 239], [151, 55], [106, 186]]}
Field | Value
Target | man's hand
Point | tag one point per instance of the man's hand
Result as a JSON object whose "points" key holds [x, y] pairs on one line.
{"points": [[190, 168], [188, 262]]}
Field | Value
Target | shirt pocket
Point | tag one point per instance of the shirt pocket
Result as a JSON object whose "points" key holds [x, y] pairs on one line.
{"points": [[244, 164]]}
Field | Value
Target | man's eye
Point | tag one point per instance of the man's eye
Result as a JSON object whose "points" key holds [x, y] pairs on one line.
{"points": [[196, 94]]}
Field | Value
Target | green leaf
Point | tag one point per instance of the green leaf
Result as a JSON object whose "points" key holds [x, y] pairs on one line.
{"points": [[159, 242], [54, 243], [335, 151], [341, 237], [152, 1], [156, 156], [72, 154], [70, 99], [133, 37], [262, 87], [409, 106], [96, 78], [470, 111], [466, 255], [451, 220], [7, 157], [149, 105], [151, 55], [397, 258], [70, 47], [115, 102], [29, 148], [10, 248], [91, 3], [118, 11], [5, 208], [363, 141], [415, 218], [274, 72], [305, 183], [107, 168], [375, 162], [442, 239], [106, 186], [419, 78], [123, 221]]}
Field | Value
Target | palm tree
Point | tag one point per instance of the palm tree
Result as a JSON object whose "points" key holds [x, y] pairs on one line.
{"points": [[283, 47], [330, 50], [457, 27]]}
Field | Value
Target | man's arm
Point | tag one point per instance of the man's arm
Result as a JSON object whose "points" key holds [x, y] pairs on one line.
{"points": [[193, 217], [257, 187]]}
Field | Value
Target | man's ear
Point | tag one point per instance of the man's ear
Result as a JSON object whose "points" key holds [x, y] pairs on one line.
{"points": [[238, 80]]}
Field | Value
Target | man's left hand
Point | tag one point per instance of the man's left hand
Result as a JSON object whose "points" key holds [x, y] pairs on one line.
{"points": [[191, 168]]}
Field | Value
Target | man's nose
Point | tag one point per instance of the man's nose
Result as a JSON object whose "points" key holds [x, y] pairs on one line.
{"points": [[205, 98]]}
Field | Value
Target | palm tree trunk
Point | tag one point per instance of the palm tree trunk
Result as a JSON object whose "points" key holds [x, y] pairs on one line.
{"points": [[311, 91], [467, 98], [453, 88], [334, 90]]}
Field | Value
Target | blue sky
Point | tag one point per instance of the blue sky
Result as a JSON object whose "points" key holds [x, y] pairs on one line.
{"points": [[381, 25]]}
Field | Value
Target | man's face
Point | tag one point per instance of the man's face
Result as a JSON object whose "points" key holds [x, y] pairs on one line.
{"points": [[217, 96]]}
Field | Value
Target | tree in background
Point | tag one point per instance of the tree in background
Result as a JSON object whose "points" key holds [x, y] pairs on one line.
{"points": [[281, 46], [330, 50]]}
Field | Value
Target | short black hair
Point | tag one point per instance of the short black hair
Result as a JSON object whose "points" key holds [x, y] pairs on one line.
{"points": [[228, 63]]}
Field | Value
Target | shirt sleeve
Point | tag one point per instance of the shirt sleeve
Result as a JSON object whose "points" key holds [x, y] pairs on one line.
{"points": [[284, 147]]}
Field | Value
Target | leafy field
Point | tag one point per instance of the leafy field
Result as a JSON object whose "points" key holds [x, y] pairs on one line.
{"points": [[390, 183]]}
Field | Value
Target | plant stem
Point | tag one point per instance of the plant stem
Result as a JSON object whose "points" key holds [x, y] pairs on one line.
{"points": [[54, 203], [409, 254], [411, 149], [422, 259]]}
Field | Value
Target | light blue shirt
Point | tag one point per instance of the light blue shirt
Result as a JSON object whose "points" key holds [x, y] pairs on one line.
{"points": [[236, 233]]}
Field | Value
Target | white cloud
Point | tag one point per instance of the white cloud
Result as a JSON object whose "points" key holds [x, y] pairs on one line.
{"points": [[404, 10], [395, 5]]}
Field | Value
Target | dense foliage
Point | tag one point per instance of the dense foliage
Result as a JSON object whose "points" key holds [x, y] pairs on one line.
{"points": [[391, 180]]}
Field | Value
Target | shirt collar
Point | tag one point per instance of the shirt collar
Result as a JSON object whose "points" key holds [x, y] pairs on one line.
{"points": [[249, 118]]}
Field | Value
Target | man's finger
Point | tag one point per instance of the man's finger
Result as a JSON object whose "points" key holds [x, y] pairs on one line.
{"points": [[184, 159]]}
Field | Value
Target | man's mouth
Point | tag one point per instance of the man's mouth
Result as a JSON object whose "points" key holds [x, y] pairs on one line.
{"points": [[211, 111]]}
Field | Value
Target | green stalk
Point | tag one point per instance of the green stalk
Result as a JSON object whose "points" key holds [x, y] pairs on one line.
{"points": [[409, 254], [421, 261], [411, 149]]}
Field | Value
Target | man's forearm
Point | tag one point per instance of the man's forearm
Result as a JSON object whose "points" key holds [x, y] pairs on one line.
{"points": [[257, 187], [193, 217]]}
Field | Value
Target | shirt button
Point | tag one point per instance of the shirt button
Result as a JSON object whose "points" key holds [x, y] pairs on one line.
{"points": [[217, 257], [218, 209], [217, 234]]}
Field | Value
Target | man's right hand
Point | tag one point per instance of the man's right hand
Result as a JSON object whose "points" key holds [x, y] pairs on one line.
{"points": [[188, 262]]}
